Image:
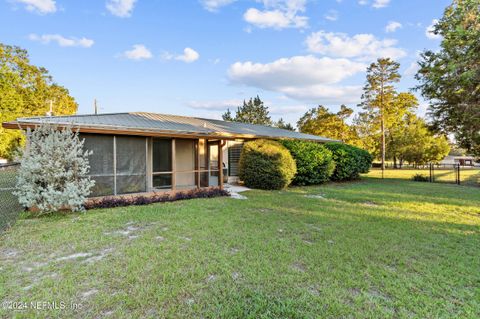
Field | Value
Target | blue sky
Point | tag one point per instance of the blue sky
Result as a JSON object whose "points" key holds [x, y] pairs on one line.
{"points": [[199, 57]]}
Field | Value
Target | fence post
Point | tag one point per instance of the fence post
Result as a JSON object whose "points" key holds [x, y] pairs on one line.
{"points": [[458, 174]]}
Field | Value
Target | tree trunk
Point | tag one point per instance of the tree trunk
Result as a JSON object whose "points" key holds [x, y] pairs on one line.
{"points": [[395, 161], [383, 142]]}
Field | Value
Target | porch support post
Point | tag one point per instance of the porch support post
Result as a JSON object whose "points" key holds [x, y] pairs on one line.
{"points": [[174, 165], [220, 164]]}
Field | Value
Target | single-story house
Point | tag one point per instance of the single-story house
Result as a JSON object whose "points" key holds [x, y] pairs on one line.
{"points": [[145, 152], [459, 160]]}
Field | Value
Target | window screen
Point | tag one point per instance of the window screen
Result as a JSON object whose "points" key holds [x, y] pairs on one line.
{"points": [[234, 152], [131, 164], [101, 163]]}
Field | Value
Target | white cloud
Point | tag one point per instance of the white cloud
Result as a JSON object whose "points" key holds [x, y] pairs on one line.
{"points": [[39, 6], [331, 15], [376, 3], [121, 8], [361, 46], [62, 41], [214, 5], [301, 77], [429, 32], [216, 105], [278, 14], [393, 26], [138, 52], [380, 3], [189, 55], [412, 69]]}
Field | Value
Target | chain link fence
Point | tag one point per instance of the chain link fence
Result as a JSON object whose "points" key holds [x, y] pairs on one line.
{"points": [[434, 173], [10, 209]]}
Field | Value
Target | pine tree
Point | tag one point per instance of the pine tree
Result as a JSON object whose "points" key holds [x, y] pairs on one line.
{"points": [[253, 112], [379, 92]]}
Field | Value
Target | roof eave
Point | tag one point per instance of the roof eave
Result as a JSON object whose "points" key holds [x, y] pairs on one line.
{"points": [[23, 125]]}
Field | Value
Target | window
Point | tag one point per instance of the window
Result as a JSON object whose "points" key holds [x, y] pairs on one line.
{"points": [[234, 152]]}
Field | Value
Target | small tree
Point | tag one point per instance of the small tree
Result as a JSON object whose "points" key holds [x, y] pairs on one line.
{"points": [[54, 168]]}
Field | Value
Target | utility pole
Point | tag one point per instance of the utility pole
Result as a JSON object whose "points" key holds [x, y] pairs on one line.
{"points": [[50, 113], [95, 106]]}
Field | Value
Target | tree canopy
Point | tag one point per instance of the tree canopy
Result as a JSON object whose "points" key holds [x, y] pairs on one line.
{"points": [[26, 90], [450, 77], [320, 121]]}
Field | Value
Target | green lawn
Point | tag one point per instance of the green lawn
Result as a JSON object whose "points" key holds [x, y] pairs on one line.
{"points": [[367, 249], [468, 176]]}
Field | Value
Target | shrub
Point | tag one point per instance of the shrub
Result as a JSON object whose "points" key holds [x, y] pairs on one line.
{"points": [[420, 178], [314, 162], [266, 164], [126, 200], [53, 172], [350, 161]]}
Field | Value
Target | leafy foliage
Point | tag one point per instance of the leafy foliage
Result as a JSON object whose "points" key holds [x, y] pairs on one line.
{"points": [[54, 170], [25, 90], [450, 78], [314, 162], [253, 112], [266, 164], [350, 161], [319, 121]]}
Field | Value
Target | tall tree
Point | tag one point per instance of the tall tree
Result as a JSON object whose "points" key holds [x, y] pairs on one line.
{"points": [[450, 78], [26, 90], [379, 92], [320, 121], [253, 112]]}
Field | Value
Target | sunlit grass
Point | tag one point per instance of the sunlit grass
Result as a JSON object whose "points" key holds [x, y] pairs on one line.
{"points": [[367, 249], [468, 176]]}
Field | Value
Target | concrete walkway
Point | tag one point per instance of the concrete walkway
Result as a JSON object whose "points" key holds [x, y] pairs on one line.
{"points": [[234, 190]]}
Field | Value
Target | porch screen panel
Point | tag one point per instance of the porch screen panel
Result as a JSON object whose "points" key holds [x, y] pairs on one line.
{"points": [[101, 163], [131, 164], [162, 163], [185, 164]]}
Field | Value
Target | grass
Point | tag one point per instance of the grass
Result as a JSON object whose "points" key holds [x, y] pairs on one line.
{"points": [[367, 249], [468, 176]]}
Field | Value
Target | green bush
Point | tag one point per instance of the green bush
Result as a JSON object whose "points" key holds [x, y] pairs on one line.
{"points": [[420, 178], [314, 162], [266, 164], [350, 161]]}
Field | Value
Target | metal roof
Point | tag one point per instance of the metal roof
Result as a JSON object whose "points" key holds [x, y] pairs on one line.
{"points": [[174, 124]]}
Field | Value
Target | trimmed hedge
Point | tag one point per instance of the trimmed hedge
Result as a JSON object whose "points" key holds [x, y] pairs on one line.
{"points": [[266, 164], [314, 162], [129, 200], [350, 161]]}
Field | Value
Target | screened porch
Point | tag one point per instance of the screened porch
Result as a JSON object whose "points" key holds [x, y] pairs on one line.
{"points": [[123, 164]]}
